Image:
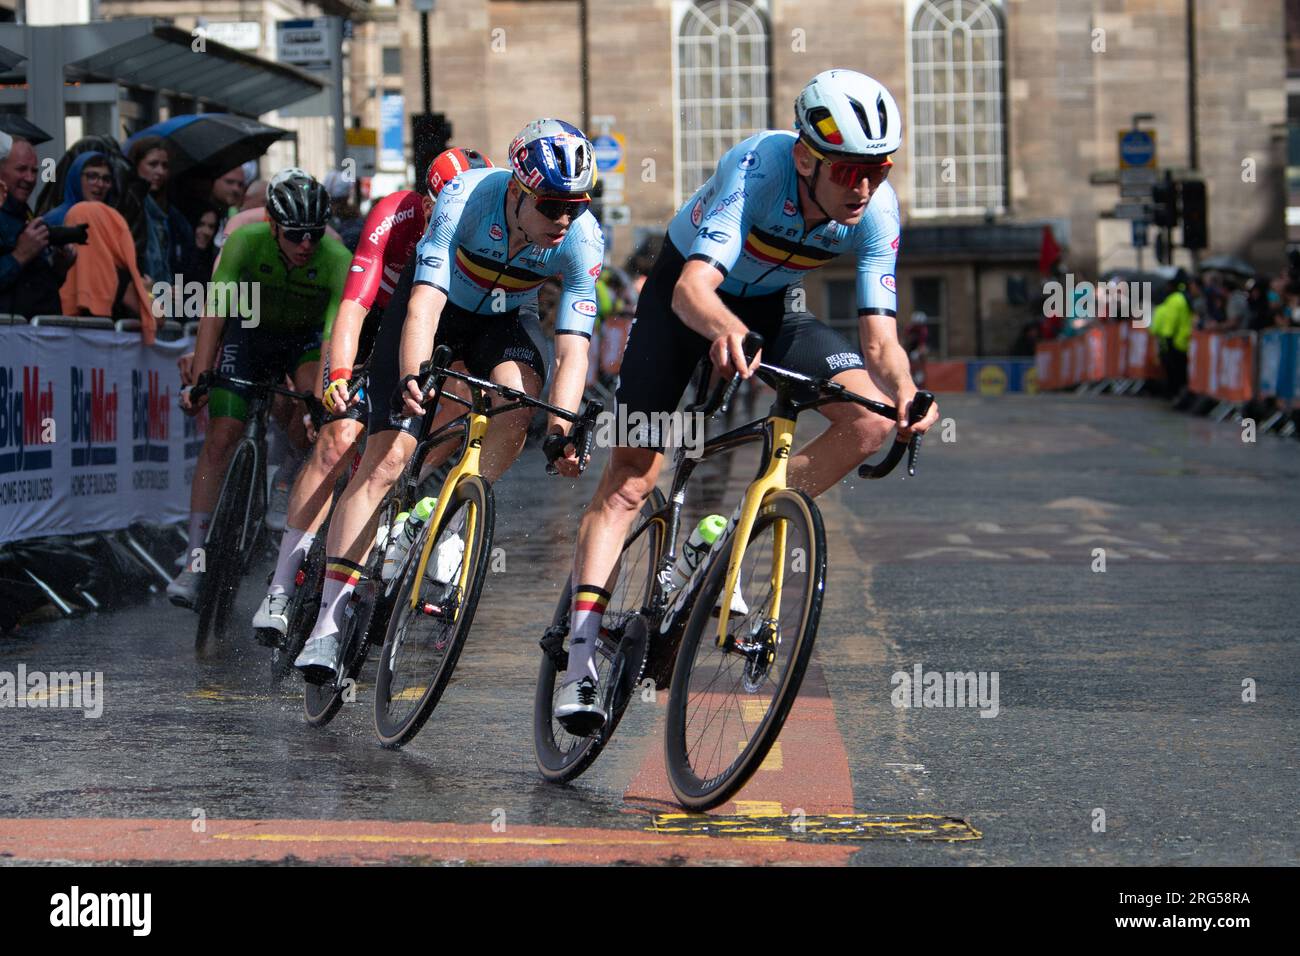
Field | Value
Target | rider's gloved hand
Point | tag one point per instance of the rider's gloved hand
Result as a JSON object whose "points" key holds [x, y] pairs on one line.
{"points": [[336, 392]]}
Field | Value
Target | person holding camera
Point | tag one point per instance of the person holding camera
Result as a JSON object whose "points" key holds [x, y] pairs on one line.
{"points": [[33, 262]]}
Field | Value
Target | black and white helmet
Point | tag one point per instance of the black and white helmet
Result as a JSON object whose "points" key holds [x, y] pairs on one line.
{"points": [[849, 114], [297, 201]]}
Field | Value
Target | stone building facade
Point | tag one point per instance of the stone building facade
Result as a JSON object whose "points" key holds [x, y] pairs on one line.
{"points": [[1069, 75]]}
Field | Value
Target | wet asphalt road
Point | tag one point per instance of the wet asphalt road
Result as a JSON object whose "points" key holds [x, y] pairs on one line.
{"points": [[1120, 692]]}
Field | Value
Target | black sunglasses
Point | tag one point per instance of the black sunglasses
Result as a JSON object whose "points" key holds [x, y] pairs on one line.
{"points": [[295, 236], [554, 209]]}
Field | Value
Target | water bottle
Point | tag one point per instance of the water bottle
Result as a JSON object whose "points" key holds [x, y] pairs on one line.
{"points": [[406, 528], [697, 546]]}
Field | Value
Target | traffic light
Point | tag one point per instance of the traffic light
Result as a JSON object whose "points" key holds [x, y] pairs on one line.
{"points": [[1164, 199], [430, 133], [1192, 202]]}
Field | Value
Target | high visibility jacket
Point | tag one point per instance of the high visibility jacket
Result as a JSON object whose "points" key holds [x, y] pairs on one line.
{"points": [[1173, 320]]}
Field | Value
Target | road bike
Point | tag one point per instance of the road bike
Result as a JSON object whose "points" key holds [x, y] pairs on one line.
{"points": [[732, 643], [431, 618], [237, 531]]}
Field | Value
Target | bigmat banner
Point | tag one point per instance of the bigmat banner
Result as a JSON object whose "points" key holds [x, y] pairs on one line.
{"points": [[91, 436]]}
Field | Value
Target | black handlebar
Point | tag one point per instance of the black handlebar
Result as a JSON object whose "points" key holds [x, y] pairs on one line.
{"points": [[723, 392], [920, 408], [582, 436]]}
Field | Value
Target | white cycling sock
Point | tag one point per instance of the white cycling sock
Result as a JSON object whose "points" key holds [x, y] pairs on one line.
{"points": [[341, 577], [293, 552], [589, 603], [199, 521]]}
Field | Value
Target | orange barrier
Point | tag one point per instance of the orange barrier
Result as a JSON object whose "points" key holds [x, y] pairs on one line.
{"points": [[1113, 350], [945, 376], [1222, 366]]}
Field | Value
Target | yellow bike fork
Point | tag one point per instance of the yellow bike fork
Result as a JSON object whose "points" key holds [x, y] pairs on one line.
{"points": [[468, 465], [773, 479]]}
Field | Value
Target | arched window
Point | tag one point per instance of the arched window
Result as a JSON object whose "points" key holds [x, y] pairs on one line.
{"points": [[958, 135], [722, 74]]}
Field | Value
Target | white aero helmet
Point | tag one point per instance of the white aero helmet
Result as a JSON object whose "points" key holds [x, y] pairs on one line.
{"points": [[850, 114]]}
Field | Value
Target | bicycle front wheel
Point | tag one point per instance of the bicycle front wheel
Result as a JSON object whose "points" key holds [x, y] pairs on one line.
{"points": [[425, 636], [222, 555], [728, 703]]}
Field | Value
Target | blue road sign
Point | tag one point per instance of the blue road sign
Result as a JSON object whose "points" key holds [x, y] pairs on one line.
{"points": [[1137, 147]]}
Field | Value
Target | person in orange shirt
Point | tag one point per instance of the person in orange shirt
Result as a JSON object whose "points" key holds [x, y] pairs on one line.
{"points": [[107, 258]]}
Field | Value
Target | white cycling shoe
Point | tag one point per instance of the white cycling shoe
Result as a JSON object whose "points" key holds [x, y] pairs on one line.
{"points": [[319, 660], [578, 707], [271, 622], [184, 589]]}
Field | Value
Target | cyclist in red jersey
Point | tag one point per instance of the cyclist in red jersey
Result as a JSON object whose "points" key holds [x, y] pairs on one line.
{"points": [[392, 230]]}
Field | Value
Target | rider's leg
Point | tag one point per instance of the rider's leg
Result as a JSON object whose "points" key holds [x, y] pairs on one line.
{"points": [[352, 529], [623, 488], [506, 433], [445, 413], [218, 444], [310, 498], [854, 433]]}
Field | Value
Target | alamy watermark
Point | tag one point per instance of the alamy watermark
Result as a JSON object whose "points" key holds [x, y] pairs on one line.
{"points": [[922, 688], [74, 690], [1113, 300], [667, 430], [193, 300]]}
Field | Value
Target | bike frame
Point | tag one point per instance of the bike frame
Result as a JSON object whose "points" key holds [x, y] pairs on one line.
{"points": [[776, 431], [472, 426]]}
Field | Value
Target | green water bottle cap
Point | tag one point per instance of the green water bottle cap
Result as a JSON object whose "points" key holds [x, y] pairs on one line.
{"points": [[711, 527], [424, 507]]}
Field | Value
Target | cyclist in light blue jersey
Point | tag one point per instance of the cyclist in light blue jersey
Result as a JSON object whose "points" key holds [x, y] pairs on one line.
{"points": [[779, 205], [494, 237]]}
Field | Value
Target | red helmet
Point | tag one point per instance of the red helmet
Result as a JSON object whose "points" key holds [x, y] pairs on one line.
{"points": [[449, 163]]}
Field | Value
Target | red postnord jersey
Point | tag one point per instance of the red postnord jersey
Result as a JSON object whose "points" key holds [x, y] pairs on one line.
{"points": [[392, 230]]}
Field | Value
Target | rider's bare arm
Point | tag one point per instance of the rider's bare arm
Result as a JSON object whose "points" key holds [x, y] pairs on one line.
{"points": [[697, 303], [887, 361], [418, 333], [570, 378]]}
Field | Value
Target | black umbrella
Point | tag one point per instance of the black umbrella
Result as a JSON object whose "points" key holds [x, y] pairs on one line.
{"points": [[212, 143], [17, 125], [1227, 264]]}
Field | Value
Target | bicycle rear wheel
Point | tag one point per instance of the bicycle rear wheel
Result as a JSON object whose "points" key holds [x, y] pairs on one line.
{"points": [[222, 557], [561, 756], [727, 704], [424, 642]]}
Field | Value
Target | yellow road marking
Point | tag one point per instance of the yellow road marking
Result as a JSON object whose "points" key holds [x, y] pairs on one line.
{"points": [[749, 808], [820, 828], [411, 693]]}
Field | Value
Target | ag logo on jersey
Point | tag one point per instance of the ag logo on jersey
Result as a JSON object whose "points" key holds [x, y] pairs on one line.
{"points": [[495, 232], [894, 245], [888, 283], [713, 235], [595, 270], [749, 161], [789, 208], [585, 306]]}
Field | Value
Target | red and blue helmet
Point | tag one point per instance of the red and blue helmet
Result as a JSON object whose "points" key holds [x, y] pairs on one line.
{"points": [[552, 158]]}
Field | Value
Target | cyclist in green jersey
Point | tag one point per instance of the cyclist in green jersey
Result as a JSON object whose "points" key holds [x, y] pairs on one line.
{"points": [[270, 302]]}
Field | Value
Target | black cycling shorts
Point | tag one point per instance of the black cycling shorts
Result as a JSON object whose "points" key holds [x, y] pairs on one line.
{"points": [[482, 342], [257, 355], [662, 352]]}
